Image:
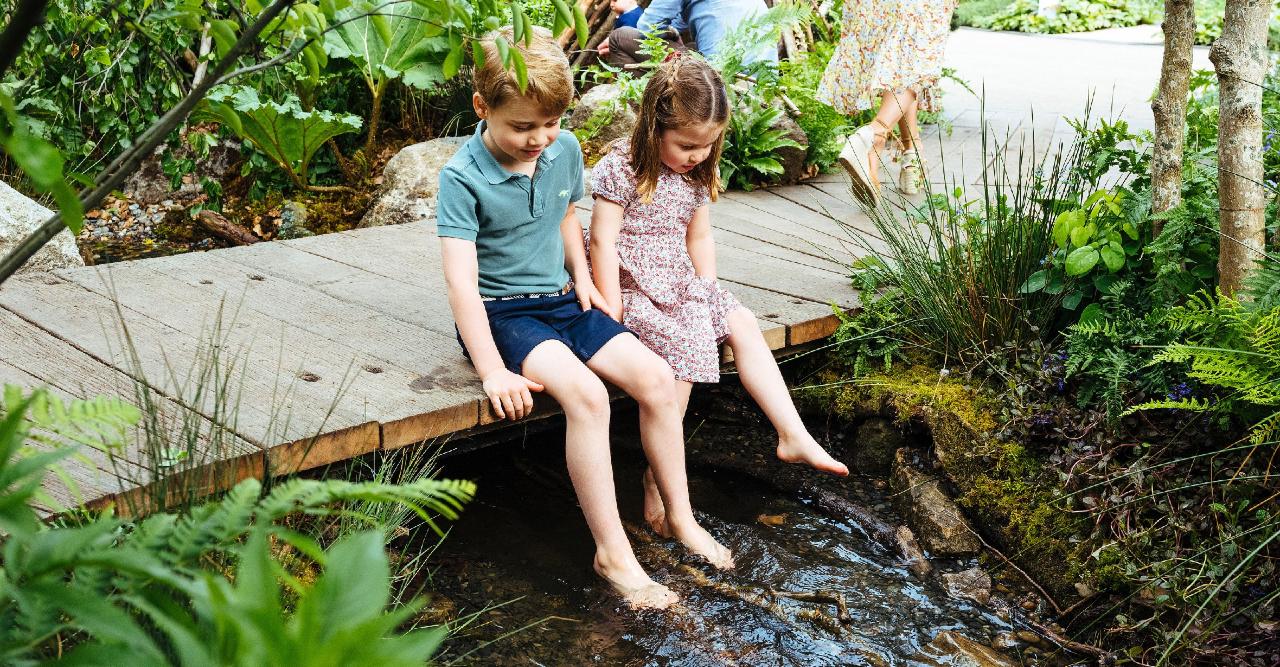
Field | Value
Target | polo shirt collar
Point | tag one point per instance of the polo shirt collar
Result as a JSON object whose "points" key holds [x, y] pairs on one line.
{"points": [[488, 164]]}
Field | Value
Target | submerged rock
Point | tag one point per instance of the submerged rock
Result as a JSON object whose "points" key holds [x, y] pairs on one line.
{"points": [[972, 584], [952, 649], [19, 216], [874, 445], [410, 183], [934, 517]]}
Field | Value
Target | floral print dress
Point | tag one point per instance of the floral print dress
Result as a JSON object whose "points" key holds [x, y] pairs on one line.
{"points": [[887, 45], [675, 312]]}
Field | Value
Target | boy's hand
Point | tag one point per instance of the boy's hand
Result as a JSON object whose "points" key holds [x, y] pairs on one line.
{"points": [[509, 393]]}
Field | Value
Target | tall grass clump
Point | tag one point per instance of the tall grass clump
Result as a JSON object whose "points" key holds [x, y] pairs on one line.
{"points": [[955, 265]]}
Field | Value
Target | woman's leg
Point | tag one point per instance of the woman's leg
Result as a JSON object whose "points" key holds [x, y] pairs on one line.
{"points": [[586, 409], [634, 368], [893, 108], [909, 127], [763, 380]]}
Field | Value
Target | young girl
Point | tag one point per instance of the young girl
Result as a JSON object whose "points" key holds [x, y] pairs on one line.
{"points": [[654, 261]]}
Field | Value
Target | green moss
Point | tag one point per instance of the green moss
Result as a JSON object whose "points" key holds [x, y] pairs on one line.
{"points": [[1002, 485]]}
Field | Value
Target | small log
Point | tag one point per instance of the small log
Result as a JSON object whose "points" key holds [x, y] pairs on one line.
{"points": [[224, 229]]}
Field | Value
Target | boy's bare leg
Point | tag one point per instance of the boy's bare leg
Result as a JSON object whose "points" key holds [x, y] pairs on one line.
{"points": [[627, 363], [763, 380], [654, 513], [586, 409]]}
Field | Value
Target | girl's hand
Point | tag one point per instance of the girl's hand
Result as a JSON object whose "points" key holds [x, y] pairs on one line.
{"points": [[509, 393], [590, 297]]}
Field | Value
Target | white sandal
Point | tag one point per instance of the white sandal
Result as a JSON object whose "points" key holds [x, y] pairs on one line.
{"points": [[855, 158], [911, 175]]}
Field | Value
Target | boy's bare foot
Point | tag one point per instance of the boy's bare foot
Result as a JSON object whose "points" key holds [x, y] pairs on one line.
{"points": [[631, 582], [804, 449], [655, 513], [695, 538]]}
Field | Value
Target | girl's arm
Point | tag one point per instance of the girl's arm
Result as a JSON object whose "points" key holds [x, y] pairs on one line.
{"points": [[702, 248], [606, 222], [508, 392], [575, 260]]}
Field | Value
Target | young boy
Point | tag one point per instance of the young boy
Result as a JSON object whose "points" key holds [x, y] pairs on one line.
{"points": [[511, 243]]}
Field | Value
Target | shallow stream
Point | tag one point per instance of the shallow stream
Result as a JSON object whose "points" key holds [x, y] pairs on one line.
{"points": [[522, 544]]}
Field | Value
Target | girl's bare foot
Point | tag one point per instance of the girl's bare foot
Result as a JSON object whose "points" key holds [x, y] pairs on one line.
{"points": [[804, 449], [695, 538], [629, 580], [655, 513]]}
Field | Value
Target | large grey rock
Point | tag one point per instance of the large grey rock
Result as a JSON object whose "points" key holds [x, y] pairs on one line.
{"points": [[150, 185], [952, 649], [792, 159], [933, 516], [971, 584], [410, 183], [19, 216], [600, 118]]}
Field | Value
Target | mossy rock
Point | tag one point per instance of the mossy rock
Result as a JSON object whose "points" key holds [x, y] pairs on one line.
{"points": [[1004, 489]]}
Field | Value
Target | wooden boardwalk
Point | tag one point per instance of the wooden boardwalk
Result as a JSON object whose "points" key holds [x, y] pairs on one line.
{"points": [[334, 346]]}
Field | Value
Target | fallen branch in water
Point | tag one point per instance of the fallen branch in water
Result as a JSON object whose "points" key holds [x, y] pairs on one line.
{"points": [[1057, 609], [827, 597], [1104, 657]]}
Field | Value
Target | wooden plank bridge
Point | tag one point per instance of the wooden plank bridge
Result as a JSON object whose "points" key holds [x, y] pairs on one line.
{"points": [[284, 356]]}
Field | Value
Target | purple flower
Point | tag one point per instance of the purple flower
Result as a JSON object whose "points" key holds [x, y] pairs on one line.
{"points": [[1179, 391]]}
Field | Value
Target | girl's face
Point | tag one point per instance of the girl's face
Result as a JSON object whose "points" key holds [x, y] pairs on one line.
{"points": [[684, 148]]}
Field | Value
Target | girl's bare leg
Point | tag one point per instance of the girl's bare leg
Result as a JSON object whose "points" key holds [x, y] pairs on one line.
{"points": [[655, 515], [644, 376], [586, 409], [763, 380]]}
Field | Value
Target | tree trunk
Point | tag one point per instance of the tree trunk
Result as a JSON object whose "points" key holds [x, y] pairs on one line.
{"points": [[1240, 58], [1170, 106]]}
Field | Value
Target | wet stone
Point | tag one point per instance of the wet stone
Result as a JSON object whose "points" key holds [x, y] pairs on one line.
{"points": [[972, 584]]}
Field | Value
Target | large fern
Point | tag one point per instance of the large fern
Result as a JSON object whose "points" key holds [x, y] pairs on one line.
{"points": [[1234, 349]]}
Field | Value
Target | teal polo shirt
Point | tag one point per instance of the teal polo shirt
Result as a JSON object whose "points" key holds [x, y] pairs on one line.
{"points": [[513, 220]]}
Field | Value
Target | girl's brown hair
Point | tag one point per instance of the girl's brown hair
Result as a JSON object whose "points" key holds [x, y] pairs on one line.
{"points": [[684, 91]]}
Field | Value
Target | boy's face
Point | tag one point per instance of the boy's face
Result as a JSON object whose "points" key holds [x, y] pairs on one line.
{"points": [[520, 130], [684, 148]]}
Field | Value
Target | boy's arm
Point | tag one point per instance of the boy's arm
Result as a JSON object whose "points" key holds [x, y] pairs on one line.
{"points": [[702, 248], [508, 392], [606, 222], [575, 260]]}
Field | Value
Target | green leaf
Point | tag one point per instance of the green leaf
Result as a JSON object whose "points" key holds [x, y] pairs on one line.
{"points": [[1081, 235], [1130, 230], [580, 25], [452, 63], [1103, 283], [563, 12], [1081, 261], [1072, 300], [1113, 256], [1064, 223], [522, 72], [1035, 282], [224, 35], [1092, 313], [405, 37]]}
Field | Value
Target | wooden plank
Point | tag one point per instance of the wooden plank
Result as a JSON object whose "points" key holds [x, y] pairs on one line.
{"points": [[168, 356], [423, 306], [858, 230], [385, 393], [775, 275], [207, 462], [416, 369]]}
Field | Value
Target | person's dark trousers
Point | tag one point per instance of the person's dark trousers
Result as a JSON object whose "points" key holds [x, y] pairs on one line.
{"points": [[624, 46]]}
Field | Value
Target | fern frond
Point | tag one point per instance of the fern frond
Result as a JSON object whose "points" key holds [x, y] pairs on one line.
{"points": [[1191, 404], [102, 422]]}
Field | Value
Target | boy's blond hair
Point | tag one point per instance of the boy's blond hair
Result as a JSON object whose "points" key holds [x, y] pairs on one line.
{"points": [[550, 81]]}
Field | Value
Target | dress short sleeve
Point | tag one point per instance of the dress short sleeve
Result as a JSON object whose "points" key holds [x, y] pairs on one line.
{"points": [[613, 179]]}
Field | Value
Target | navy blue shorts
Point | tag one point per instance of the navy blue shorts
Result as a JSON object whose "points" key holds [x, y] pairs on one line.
{"points": [[519, 325]]}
